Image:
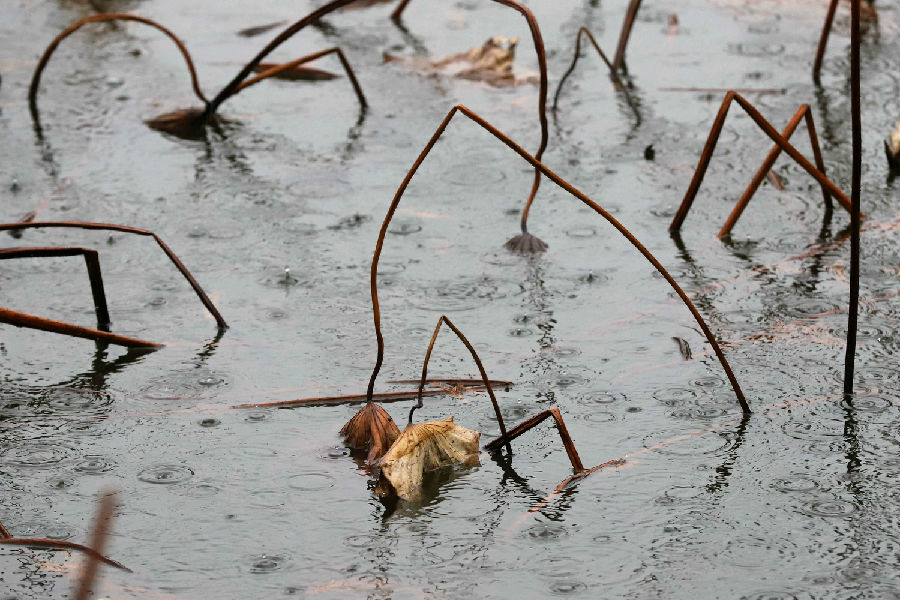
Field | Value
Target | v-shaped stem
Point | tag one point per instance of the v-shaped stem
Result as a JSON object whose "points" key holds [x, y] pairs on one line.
{"points": [[534, 422], [612, 72], [542, 92], [135, 231], [45, 58], [92, 261], [277, 69], [828, 188], [379, 245], [471, 349]]}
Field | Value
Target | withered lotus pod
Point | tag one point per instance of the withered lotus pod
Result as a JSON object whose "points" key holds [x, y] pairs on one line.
{"points": [[423, 447], [525, 243], [187, 123], [371, 428]]}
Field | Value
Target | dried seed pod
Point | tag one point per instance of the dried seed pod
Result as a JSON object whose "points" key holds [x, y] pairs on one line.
{"points": [[525, 243], [371, 428], [187, 123], [423, 447], [892, 150]]}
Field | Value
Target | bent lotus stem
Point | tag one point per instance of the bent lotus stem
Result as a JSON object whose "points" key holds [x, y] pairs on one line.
{"points": [[542, 93], [379, 245], [63, 545], [855, 193], [4, 533], [625, 33], [535, 421], [612, 72], [45, 58], [278, 69], [804, 112], [828, 187], [92, 262], [135, 231], [98, 542], [20, 319], [471, 349], [352, 398], [823, 41]]}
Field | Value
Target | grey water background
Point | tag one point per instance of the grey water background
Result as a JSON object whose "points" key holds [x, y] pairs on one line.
{"points": [[800, 501]]}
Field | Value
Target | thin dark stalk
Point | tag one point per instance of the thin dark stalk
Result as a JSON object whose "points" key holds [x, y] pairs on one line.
{"points": [[803, 113], [855, 194], [376, 312], [274, 71], [533, 422], [612, 72], [92, 262], [625, 33], [770, 131], [4, 533], [823, 41], [20, 319], [542, 94], [98, 543], [45, 58], [471, 349], [63, 545], [349, 398], [136, 231]]}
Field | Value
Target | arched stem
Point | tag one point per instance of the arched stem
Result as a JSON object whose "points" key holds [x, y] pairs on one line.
{"points": [[135, 231], [612, 72], [471, 349], [274, 71], [535, 421], [542, 92], [564, 185], [45, 58], [770, 131]]}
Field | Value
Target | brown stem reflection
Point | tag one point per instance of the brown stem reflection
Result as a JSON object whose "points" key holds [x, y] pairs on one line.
{"points": [[535, 421], [376, 312]]}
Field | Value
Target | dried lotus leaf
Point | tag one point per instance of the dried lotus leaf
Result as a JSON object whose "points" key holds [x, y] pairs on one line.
{"points": [[371, 428], [423, 447]]}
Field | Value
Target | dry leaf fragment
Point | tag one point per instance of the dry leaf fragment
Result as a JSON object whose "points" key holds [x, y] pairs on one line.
{"points": [[371, 428], [426, 446], [491, 63]]}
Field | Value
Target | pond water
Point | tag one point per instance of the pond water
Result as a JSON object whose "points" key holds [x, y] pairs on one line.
{"points": [[798, 501]]}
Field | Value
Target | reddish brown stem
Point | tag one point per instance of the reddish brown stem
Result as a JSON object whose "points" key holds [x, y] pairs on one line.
{"points": [[612, 72], [348, 399], [533, 422], [471, 349], [804, 112], [36, 77], [625, 33], [63, 545], [542, 93], [98, 543], [823, 41], [4, 533], [92, 262], [770, 131], [373, 279], [135, 231], [20, 319], [274, 71]]}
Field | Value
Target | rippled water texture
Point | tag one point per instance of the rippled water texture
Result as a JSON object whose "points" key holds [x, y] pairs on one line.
{"points": [[799, 501]]}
